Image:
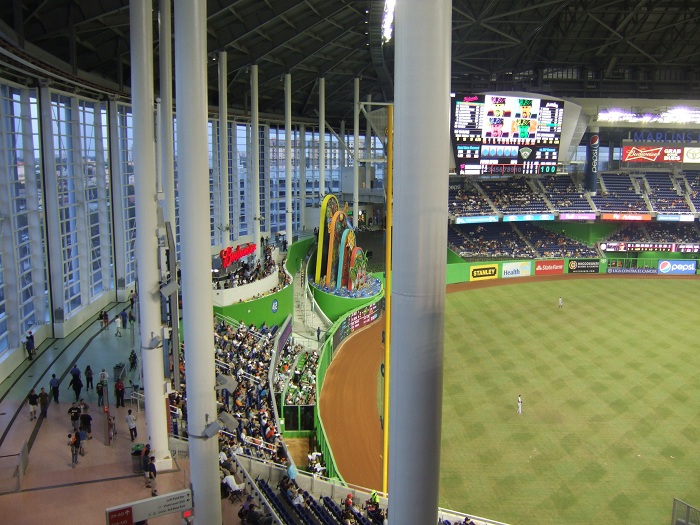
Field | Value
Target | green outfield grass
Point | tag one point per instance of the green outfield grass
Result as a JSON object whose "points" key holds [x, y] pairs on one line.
{"points": [[611, 401]]}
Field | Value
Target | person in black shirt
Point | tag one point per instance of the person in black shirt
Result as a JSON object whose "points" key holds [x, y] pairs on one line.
{"points": [[74, 413], [33, 400]]}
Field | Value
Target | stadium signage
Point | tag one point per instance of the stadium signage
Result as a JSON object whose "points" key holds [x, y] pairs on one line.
{"points": [[483, 272], [625, 216], [476, 218], [632, 270], [652, 154], [594, 143], [677, 267], [584, 266], [675, 218], [553, 267], [691, 155], [577, 216], [638, 247], [516, 269], [529, 217], [665, 136], [229, 255]]}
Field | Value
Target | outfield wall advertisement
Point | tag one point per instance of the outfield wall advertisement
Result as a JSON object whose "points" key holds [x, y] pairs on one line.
{"points": [[483, 272], [549, 267], [584, 265], [676, 267], [516, 269]]}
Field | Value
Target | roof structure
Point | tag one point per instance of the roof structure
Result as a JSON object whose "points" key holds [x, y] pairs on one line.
{"points": [[563, 48]]}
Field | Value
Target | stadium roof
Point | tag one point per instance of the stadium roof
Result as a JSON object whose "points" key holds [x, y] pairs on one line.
{"points": [[564, 48]]}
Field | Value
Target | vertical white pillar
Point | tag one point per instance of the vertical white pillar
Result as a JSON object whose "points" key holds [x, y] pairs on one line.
{"points": [[356, 153], [421, 161], [165, 137], [146, 223], [193, 165], [321, 138], [368, 145], [341, 150], [225, 187], [255, 158], [302, 176], [288, 152]]}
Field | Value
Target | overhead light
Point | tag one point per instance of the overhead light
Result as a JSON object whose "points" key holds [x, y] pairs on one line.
{"points": [[388, 20], [678, 115]]}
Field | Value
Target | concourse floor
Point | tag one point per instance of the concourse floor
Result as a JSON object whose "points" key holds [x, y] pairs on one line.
{"points": [[51, 490]]}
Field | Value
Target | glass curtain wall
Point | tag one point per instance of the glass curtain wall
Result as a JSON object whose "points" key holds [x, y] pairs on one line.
{"points": [[23, 277]]}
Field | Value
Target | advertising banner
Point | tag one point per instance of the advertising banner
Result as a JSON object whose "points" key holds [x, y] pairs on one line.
{"points": [[473, 219], [675, 218], [516, 269], [483, 272], [577, 216], [584, 266], [529, 217], [672, 267], [652, 154], [632, 270], [625, 216], [549, 267], [691, 155]]}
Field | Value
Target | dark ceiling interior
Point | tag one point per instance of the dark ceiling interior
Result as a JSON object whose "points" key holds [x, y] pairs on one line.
{"points": [[564, 48]]}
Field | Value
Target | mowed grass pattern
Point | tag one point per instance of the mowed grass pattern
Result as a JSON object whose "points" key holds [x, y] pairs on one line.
{"points": [[611, 401]]}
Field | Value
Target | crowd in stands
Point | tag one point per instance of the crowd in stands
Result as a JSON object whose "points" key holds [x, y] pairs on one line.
{"points": [[508, 241], [661, 232], [638, 192], [514, 196]]}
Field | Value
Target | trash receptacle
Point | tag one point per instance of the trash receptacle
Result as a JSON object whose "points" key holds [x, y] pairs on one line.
{"points": [[136, 451], [119, 371]]}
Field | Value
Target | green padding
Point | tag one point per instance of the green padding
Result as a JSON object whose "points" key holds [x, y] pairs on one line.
{"points": [[334, 307], [260, 310]]}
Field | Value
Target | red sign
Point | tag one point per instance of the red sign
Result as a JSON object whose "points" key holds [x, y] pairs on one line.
{"points": [[625, 216], [120, 517], [229, 255], [652, 154], [553, 267]]}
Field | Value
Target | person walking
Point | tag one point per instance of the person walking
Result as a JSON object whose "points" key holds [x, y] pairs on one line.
{"points": [[77, 385], [100, 389], [318, 334], [74, 413], [520, 404], [53, 386], [88, 379], [131, 423], [124, 318], [105, 319], [86, 423], [152, 474], [119, 392], [118, 324], [561, 302], [29, 345], [33, 400], [74, 444], [103, 377], [44, 402]]}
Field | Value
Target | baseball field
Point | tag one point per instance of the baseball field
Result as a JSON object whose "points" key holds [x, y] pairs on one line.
{"points": [[611, 401]]}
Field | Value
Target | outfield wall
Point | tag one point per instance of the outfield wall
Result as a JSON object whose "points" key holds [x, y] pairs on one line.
{"points": [[652, 263]]}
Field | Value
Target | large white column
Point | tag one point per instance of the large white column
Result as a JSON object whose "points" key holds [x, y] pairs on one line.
{"points": [[356, 153], [193, 166], [255, 157], [302, 176], [421, 161], [142, 101], [165, 138], [224, 186], [288, 153], [368, 144], [321, 138], [343, 138]]}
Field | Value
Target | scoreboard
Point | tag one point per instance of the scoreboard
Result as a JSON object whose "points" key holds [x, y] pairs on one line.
{"points": [[493, 134], [357, 320], [649, 247]]}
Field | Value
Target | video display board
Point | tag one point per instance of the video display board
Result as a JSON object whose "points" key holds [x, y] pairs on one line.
{"points": [[500, 135]]}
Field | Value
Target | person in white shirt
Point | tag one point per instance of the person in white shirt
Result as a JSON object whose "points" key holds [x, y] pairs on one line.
{"points": [[231, 482], [104, 376], [131, 423], [520, 404]]}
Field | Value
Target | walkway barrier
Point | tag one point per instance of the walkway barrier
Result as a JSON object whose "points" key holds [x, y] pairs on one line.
{"points": [[12, 469]]}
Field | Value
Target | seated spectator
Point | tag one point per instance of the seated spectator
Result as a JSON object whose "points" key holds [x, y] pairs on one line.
{"points": [[230, 481]]}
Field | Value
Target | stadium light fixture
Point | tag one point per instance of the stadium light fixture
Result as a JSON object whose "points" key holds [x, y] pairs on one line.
{"points": [[677, 115], [388, 20]]}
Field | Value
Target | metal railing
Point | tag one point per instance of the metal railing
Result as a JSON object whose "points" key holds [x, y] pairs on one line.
{"points": [[12, 469]]}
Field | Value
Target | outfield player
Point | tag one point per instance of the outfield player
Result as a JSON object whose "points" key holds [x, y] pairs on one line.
{"points": [[520, 404], [561, 302]]}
